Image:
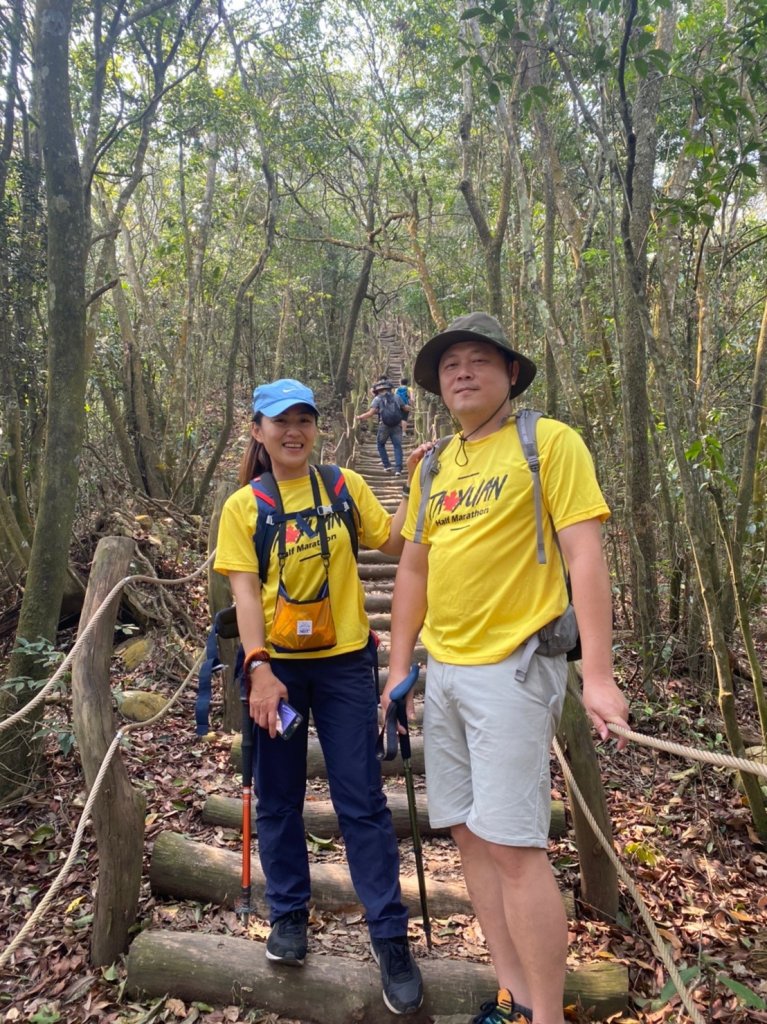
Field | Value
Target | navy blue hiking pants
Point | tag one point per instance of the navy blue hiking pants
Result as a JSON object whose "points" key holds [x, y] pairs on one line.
{"points": [[340, 692]]}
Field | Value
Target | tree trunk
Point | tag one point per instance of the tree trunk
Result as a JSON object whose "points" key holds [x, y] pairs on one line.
{"points": [[67, 246], [637, 211], [344, 361], [240, 305], [490, 239], [220, 969], [599, 879], [118, 812]]}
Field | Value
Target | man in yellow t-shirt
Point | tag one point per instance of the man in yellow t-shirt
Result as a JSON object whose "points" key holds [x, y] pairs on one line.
{"points": [[473, 581]]}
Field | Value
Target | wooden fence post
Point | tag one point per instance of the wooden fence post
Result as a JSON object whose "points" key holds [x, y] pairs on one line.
{"points": [[118, 812]]}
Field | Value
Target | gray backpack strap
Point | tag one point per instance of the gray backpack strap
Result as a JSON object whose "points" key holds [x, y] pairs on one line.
{"points": [[526, 422], [531, 646], [429, 469]]}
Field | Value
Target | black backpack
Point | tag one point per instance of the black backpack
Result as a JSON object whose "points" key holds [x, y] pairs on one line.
{"points": [[389, 409]]}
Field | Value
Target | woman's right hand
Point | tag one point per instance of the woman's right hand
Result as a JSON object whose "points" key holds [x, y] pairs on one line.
{"points": [[266, 691]]}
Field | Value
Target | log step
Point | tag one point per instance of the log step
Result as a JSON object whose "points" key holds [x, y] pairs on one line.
{"points": [[221, 969], [187, 870], [321, 821], [320, 816]]}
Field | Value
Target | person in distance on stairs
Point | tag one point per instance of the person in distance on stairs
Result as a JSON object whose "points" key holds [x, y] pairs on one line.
{"points": [[320, 665], [391, 411], [403, 392], [472, 576]]}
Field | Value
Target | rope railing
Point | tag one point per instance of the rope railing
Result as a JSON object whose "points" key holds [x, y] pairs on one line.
{"points": [[742, 764], [60, 878], [91, 625], [658, 941]]}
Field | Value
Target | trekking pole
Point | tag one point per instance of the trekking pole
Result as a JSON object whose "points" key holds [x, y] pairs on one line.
{"points": [[386, 751], [243, 907]]}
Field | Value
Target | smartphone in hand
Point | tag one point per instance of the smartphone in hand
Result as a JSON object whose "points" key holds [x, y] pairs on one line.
{"points": [[288, 719]]}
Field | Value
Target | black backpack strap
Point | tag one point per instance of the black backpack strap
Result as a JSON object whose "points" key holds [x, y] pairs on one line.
{"points": [[268, 517], [271, 516], [340, 500]]}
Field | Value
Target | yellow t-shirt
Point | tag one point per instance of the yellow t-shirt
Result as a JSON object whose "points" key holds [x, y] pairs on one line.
{"points": [[304, 572], [486, 590]]}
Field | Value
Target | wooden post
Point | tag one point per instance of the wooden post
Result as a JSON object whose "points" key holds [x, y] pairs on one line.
{"points": [[118, 812], [599, 879]]}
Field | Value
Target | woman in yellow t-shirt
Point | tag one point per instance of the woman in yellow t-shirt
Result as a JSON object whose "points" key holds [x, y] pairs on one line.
{"points": [[322, 669]]}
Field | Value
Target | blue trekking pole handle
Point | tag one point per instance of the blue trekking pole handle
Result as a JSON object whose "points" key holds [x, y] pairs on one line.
{"points": [[403, 689]]}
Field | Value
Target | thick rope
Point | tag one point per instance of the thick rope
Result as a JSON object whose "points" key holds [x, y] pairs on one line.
{"points": [[98, 614], [58, 881], [694, 753], [660, 945]]}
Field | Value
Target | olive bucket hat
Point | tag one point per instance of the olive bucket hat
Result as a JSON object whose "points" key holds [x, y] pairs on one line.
{"points": [[471, 327]]}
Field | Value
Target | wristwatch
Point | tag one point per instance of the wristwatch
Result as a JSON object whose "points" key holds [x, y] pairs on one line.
{"points": [[254, 663]]}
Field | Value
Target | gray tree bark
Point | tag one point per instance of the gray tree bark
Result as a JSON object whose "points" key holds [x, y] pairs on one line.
{"points": [[67, 247]]}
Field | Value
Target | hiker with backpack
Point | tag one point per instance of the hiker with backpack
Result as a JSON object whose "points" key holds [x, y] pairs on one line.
{"points": [[287, 540], [474, 577], [404, 393], [391, 411]]}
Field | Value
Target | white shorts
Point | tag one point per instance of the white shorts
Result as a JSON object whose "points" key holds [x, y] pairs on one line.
{"points": [[487, 743]]}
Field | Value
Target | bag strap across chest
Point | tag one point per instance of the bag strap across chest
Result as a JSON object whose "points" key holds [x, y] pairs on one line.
{"points": [[272, 519]]}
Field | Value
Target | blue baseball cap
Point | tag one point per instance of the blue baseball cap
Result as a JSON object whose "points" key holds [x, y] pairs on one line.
{"points": [[272, 399]]}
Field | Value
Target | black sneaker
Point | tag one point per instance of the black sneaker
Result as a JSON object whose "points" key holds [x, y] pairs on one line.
{"points": [[287, 939], [400, 977]]}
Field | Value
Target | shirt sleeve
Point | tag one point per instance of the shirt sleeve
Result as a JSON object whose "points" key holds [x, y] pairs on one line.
{"points": [[568, 478], [235, 549]]}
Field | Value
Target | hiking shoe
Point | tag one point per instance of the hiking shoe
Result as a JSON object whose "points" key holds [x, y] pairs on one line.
{"points": [[400, 977], [503, 1010], [287, 939]]}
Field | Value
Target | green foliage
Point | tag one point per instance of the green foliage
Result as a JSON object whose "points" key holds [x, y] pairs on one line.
{"points": [[40, 653]]}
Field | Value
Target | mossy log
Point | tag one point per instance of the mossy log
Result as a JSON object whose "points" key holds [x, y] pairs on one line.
{"points": [[222, 970], [320, 817], [185, 869]]}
